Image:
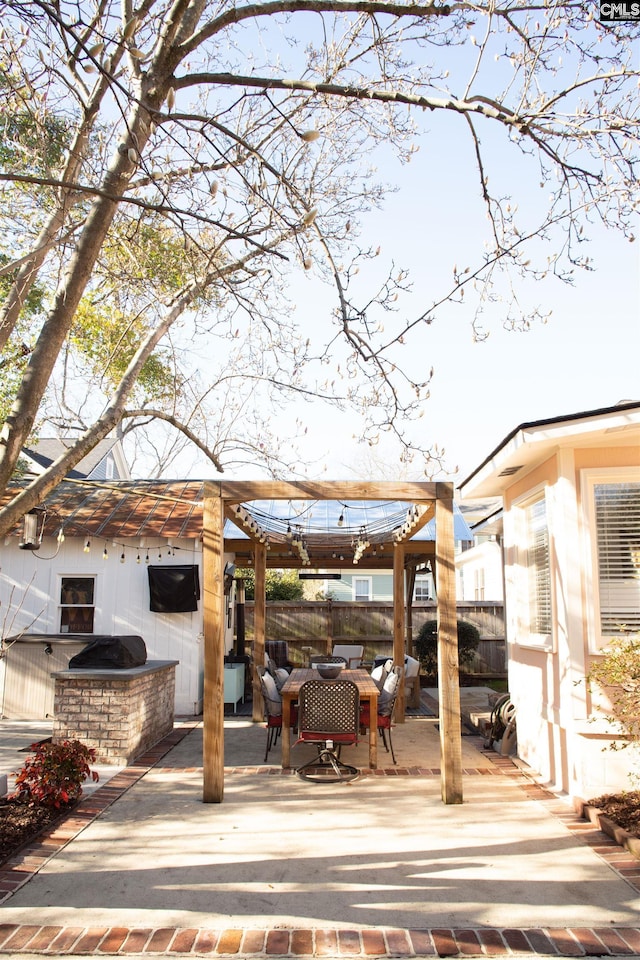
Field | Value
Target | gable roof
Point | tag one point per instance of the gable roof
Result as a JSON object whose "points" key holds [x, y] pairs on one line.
{"points": [[531, 442], [47, 450]]}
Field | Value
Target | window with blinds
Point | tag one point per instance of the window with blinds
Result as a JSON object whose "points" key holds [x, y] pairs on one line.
{"points": [[617, 521], [538, 574]]}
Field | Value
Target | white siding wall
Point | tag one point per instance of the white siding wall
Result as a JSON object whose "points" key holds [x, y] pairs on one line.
{"points": [[30, 588], [480, 564]]}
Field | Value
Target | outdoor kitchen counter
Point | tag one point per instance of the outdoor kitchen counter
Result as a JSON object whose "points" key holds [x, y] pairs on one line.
{"points": [[120, 712]]}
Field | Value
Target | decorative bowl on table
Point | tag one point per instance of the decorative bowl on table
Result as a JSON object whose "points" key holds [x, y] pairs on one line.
{"points": [[329, 671]]}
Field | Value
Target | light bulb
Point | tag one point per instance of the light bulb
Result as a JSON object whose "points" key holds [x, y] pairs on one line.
{"points": [[87, 546], [105, 554]]}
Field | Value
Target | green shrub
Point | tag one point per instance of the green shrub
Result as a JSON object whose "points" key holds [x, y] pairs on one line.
{"points": [[617, 675], [279, 584], [427, 644], [54, 775]]}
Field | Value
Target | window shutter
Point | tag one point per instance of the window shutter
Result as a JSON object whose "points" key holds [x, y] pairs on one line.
{"points": [[538, 568], [617, 509]]}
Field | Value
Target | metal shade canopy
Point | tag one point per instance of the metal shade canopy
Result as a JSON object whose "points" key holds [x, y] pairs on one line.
{"points": [[334, 532]]}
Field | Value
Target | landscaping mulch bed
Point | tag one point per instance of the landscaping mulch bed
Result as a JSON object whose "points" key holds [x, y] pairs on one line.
{"points": [[622, 808], [20, 824]]}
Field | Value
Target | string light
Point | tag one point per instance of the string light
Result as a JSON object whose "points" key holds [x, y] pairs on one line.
{"points": [[87, 546], [105, 553], [122, 557]]}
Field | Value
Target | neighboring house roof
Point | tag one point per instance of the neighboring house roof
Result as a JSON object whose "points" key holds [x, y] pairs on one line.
{"points": [[531, 442], [47, 450]]}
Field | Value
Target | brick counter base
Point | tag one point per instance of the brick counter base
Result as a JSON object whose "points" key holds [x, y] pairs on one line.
{"points": [[120, 713]]}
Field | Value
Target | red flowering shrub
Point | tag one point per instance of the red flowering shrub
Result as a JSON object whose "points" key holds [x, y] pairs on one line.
{"points": [[54, 775]]}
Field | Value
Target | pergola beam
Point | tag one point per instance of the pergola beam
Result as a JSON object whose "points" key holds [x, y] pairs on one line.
{"points": [[241, 491]]}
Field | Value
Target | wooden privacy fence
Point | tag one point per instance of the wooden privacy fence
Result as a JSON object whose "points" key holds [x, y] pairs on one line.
{"points": [[319, 624]]}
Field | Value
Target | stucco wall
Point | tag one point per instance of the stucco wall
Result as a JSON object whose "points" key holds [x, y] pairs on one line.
{"points": [[553, 704]]}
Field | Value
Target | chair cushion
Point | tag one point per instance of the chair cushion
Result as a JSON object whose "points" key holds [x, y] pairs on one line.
{"points": [[411, 667], [271, 689], [379, 674], [388, 694], [281, 677]]}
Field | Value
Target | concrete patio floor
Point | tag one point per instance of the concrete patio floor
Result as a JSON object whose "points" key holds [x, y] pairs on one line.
{"points": [[283, 867]]}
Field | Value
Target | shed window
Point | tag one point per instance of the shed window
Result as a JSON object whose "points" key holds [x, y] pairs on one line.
{"points": [[617, 528], [77, 604]]}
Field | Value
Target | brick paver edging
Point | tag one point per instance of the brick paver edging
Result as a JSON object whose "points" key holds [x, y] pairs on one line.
{"points": [[377, 942]]}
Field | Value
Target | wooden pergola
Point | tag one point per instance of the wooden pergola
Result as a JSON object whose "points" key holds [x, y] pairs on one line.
{"points": [[222, 501]]}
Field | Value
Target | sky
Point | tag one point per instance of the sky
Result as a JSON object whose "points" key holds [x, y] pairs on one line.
{"points": [[584, 357]]}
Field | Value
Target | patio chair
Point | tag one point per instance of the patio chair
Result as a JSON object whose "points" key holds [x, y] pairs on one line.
{"points": [[329, 718], [352, 653], [272, 708], [278, 651], [386, 705]]}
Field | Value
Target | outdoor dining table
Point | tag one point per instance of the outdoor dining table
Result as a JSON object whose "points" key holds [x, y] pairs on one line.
{"points": [[367, 690]]}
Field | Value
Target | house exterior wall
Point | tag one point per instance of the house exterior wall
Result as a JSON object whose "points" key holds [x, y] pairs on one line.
{"points": [[479, 573], [30, 592], [381, 586], [557, 735], [343, 589]]}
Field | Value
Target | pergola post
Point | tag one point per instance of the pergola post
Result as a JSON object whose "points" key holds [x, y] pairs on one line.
{"points": [[399, 624], [259, 624], [448, 672], [213, 591], [410, 586]]}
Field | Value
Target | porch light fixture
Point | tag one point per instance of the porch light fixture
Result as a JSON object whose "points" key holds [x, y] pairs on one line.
{"points": [[31, 535]]}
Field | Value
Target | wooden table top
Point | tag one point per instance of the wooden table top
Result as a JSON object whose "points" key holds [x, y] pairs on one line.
{"points": [[299, 675]]}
